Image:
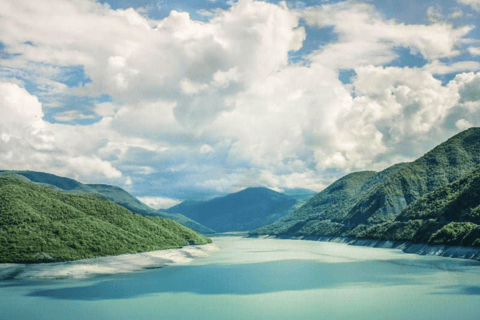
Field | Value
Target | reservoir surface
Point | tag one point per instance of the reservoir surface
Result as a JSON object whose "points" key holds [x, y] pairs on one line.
{"points": [[263, 279]]}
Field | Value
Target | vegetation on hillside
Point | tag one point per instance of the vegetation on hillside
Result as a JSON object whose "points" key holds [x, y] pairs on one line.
{"points": [[449, 215], [104, 191], [316, 215], [420, 201], [38, 224], [125, 199]]}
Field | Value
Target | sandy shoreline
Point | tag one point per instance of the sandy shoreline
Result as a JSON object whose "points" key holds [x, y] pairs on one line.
{"points": [[124, 263]]}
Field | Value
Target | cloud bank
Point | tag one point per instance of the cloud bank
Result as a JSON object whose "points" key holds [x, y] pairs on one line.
{"points": [[201, 108]]}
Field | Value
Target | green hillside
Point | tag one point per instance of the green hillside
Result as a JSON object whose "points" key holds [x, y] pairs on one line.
{"points": [[125, 199], [449, 215], [38, 224], [323, 211], [112, 193], [442, 165], [362, 201]]}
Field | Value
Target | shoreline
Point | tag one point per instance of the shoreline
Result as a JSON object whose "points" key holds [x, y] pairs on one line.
{"points": [[457, 252], [108, 265]]}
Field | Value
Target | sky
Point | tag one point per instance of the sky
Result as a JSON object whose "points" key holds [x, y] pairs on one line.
{"points": [[188, 100]]}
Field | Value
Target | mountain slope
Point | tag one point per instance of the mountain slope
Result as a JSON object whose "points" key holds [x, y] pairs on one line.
{"points": [[38, 224], [442, 165], [383, 195], [112, 193], [449, 215], [125, 199], [332, 203], [244, 210]]}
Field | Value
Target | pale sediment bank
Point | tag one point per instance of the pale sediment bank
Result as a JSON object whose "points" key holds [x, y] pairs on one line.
{"points": [[124, 263], [405, 246], [409, 247]]}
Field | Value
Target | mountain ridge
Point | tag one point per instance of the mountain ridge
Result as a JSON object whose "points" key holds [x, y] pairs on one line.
{"points": [[109, 192], [239, 211], [385, 194], [41, 224]]}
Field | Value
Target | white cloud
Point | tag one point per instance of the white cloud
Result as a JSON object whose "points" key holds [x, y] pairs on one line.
{"points": [[475, 4], [71, 115], [393, 111], [105, 109], [31, 143], [437, 67], [434, 15], [457, 14], [366, 38], [463, 124], [159, 202], [474, 51], [217, 103], [88, 166]]}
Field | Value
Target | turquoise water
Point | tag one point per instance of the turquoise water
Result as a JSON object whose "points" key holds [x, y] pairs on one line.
{"points": [[264, 279]]}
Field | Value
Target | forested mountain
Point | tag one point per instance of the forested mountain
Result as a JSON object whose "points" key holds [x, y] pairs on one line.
{"points": [[358, 201], [112, 193], [40, 224], [449, 215]]}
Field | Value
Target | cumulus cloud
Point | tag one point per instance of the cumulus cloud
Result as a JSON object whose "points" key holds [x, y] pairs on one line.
{"points": [[437, 67], [28, 142], [216, 105], [474, 51], [366, 38]]}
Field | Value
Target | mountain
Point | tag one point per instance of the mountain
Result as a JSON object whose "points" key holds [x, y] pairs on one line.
{"points": [[300, 194], [359, 201], [39, 224], [244, 210], [112, 193], [332, 203], [123, 198], [449, 215]]}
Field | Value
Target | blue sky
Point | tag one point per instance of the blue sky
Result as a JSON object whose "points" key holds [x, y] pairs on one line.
{"points": [[195, 99]]}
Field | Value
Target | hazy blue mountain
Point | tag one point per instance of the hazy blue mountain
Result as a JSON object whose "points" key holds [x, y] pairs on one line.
{"points": [[38, 224], [244, 210], [112, 193], [360, 200], [300, 194]]}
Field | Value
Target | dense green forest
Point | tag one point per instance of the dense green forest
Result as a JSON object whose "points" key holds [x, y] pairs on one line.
{"points": [[41, 224], [449, 215], [112, 193]]}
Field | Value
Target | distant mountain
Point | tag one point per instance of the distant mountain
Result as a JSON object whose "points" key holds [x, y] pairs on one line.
{"points": [[244, 210], [39, 224], [360, 200], [112, 193], [300, 194], [448, 215]]}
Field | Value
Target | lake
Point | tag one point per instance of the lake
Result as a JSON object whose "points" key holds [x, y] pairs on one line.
{"points": [[263, 279]]}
